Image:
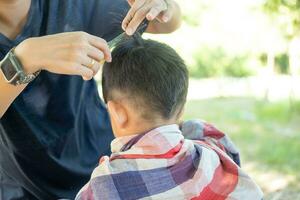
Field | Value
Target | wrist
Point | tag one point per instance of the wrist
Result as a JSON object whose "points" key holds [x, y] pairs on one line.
{"points": [[22, 52]]}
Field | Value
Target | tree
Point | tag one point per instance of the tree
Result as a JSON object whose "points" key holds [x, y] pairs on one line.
{"points": [[286, 15]]}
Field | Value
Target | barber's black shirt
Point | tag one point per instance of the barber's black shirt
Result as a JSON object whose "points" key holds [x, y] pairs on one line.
{"points": [[55, 131]]}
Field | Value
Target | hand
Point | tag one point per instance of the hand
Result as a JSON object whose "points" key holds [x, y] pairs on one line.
{"points": [[73, 53], [160, 10]]}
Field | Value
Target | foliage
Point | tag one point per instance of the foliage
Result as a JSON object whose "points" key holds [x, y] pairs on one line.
{"points": [[287, 14], [192, 20], [278, 5], [282, 63], [192, 11], [277, 112], [216, 62], [295, 107]]}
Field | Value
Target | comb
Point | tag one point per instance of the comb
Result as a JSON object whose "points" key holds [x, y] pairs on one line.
{"points": [[120, 37]]}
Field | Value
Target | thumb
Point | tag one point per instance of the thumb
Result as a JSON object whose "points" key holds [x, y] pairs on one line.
{"points": [[166, 16]]}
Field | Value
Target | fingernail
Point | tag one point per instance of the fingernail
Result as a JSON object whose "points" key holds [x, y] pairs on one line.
{"points": [[129, 31], [165, 19], [149, 17]]}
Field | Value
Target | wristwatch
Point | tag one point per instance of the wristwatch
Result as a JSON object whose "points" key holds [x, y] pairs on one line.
{"points": [[13, 70]]}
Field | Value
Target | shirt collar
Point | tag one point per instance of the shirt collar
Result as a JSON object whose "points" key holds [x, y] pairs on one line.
{"points": [[157, 141]]}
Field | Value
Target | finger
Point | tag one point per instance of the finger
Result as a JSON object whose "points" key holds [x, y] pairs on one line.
{"points": [[130, 14], [93, 65], [155, 11], [95, 53], [167, 14], [126, 20], [87, 61], [137, 19], [130, 2], [96, 68], [80, 70], [164, 17], [102, 45], [86, 78], [71, 68]]}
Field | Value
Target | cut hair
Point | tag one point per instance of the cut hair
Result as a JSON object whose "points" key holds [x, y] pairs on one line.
{"points": [[148, 72]]}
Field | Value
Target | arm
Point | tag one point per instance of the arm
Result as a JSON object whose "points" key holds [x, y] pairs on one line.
{"points": [[8, 94], [164, 16], [65, 53]]}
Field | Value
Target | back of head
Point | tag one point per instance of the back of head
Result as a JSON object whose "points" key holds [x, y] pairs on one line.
{"points": [[150, 74]]}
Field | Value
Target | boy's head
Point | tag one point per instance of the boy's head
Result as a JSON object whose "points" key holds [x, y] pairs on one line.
{"points": [[144, 86]]}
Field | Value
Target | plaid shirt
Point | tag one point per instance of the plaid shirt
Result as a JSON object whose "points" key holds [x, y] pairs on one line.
{"points": [[194, 162]]}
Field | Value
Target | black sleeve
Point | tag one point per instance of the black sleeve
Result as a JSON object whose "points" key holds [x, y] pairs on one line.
{"points": [[106, 16]]}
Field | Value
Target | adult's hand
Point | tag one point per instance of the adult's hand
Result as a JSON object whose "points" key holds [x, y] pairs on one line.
{"points": [[160, 10], [73, 53]]}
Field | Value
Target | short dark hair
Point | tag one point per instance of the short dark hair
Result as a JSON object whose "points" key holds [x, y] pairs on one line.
{"points": [[151, 73]]}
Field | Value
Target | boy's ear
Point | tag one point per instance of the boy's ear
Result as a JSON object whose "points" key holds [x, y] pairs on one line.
{"points": [[118, 113]]}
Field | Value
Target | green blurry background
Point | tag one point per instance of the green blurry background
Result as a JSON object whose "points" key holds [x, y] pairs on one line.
{"points": [[244, 62]]}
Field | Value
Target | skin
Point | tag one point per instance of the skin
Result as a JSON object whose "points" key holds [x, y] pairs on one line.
{"points": [[164, 16], [72, 53], [125, 119]]}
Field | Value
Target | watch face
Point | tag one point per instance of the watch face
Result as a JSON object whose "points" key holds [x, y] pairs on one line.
{"points": [[8, 69]]}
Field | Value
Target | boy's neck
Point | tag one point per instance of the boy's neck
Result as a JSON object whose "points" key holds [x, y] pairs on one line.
{"points": [[144, 127]]}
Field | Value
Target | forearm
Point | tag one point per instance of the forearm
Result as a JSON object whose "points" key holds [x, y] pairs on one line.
{"points": [[173, 24], [8, 94], [65, 53]]}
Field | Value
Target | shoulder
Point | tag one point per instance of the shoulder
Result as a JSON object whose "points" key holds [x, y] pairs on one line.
{"points": [[106, 178], [102, 18]]}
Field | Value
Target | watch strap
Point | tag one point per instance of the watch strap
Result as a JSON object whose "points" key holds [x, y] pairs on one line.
{"points": [[20, 76]]}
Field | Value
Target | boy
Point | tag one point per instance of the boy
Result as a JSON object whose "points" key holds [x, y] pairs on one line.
{"points": [[145, 89]]}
